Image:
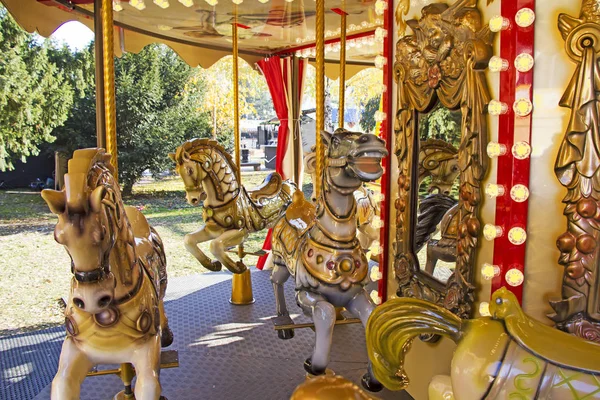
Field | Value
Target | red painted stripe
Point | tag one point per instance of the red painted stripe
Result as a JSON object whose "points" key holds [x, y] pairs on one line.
{"points": [[339, 11], [514, 85], [385, 134]]}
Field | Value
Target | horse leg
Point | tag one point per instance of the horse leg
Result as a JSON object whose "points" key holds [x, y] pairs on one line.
{"points": [[279, 275], [431, 257], [146, 361], [166, 336], [219, 246], [323, 315], [361, 306], [191, 241], [72, 370]]}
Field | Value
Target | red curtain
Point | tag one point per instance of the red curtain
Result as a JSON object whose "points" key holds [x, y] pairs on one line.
{"points": [[278, 74]]}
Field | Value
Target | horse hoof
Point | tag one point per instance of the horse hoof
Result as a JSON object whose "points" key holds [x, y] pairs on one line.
{"points": [[216, 266], [285, 334], [166, 338], [308, 367], [240, 267], [370, 383]]}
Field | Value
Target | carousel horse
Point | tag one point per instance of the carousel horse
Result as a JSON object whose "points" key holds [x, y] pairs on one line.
{"points": [[366, 207], [230, 212], [507, 356], [438, 160], [115, 312], [317, 245]]}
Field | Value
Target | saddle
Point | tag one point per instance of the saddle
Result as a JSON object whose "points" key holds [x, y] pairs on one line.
{"points": [[270, 188]]}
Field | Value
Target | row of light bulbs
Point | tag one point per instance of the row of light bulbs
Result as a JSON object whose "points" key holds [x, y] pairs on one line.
{"points": [[519, 193], [380, 5]]}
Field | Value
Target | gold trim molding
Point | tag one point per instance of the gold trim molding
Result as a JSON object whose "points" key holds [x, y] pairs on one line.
{"points": [[578, 170], [443, 60]]}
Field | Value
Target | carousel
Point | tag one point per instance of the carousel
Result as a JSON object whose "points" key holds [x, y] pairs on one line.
{"points": [[451, 254]]}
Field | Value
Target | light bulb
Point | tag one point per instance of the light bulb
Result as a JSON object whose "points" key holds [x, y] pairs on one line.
{"points": [[493, 190], [496, 107], [137, 4], [377, 222], [237, 2], [525, 17], [498, 64], [162, 3], [164, 27], [380, 61], [289, 1], [499, 23], [380, 33], [263, 1], [378, 197], [514, 277], [491, 231], [484, 309], [524, 62], [375, 297], [380, 116], [376, 248], [519, 193], [117, 5], [187, 3], [352, 27], [489, 271], [521, 150], [375, 273], [495, 149], [522, 107], [380, 7], [517, 235]]}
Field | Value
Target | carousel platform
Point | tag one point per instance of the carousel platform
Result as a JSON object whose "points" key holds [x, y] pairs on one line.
{"points": [[226, 352]]}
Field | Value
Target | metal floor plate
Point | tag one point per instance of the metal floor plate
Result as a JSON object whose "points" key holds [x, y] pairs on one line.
{"points": [[226, 352]]}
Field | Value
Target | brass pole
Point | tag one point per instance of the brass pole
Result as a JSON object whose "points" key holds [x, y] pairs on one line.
{"points": [[108, 72], [241, 284], [296, 114], [320, 75], [342, 101], [100, 128]]}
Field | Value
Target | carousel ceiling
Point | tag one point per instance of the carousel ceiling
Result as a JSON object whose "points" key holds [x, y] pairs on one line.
{"points": [[267, 27]]}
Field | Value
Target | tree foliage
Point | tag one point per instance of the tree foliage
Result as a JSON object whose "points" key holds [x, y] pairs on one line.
{"points": [[367, 120], [441, 123], [35, 97], [156, 110]]}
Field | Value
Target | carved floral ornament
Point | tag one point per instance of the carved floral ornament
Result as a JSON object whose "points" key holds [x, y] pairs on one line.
{"points": [[444, 59], [578, 170]]}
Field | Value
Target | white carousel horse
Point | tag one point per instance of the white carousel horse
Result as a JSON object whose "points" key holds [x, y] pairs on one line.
{"points": [[318, 245], [230, 212], [115, 311]]}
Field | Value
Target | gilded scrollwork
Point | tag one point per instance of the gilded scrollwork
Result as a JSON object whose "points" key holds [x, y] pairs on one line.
{"points": [[443, 60], [578, 170]]}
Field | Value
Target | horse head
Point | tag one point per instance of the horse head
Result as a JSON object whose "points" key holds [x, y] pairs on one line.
{"points": [[193, 170], [87, 228], [352, 158], [439, 160]]}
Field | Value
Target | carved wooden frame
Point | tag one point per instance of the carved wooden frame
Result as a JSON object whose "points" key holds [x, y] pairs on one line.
{"points": [[443, 60], [578, 170]]}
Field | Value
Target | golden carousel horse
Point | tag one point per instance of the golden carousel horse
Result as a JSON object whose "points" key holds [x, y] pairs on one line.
{"points": [[317, 245], [506, 356], [115, 312], [230, 212]]}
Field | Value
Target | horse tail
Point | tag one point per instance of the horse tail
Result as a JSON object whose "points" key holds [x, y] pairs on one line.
{"points": [[159, 249], [431, 211], [394, 325]]}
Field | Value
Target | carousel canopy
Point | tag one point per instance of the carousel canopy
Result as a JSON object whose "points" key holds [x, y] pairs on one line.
{"points": [[200, 30]]}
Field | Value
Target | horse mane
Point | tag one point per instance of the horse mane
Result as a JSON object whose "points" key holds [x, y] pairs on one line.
{"points": [[194, 146], [84, 172], [431, 211], [438, 143]]}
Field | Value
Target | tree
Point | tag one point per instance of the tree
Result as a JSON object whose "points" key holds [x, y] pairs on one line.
{"points": [[441, 123], [156, 111], [35, 98], [367, 120]]}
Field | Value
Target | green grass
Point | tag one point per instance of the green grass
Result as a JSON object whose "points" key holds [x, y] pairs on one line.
{"points": [[36, 268]]}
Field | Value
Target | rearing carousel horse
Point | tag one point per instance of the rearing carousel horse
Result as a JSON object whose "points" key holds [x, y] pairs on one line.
{"points": [[230, 212], [318, 245], [115, 311]]}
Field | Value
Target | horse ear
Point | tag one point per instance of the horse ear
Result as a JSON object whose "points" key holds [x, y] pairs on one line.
{"points": [[57, 201], [172, 157], [185, 156], [326, 136], [96, 198]]}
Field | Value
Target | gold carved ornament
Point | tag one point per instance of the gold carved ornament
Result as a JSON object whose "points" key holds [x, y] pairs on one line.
{"points": [[443, 60], [578, 170]]}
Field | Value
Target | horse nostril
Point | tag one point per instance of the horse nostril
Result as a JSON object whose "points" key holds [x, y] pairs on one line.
{"points": [[194, 200], [363, 139], [78, 303], [104, 301]]}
